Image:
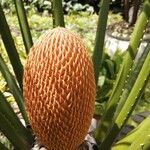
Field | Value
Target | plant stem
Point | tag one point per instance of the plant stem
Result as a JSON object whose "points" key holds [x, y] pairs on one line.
{"points": [[15, 90], [24, 26], [100, 37], [115, 129], [6, 109], [123, 74], [10, 47], [58, 16], [11, 133], [130, 82], [129, 105]]}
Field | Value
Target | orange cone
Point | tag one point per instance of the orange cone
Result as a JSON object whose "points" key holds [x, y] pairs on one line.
{"points": [[59, 89]]}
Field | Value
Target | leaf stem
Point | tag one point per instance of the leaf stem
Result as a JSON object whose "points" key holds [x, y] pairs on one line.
{"points": [[24, 26]]}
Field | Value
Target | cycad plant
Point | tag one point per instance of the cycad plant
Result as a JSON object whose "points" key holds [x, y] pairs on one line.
{"points": [[125, 94]]}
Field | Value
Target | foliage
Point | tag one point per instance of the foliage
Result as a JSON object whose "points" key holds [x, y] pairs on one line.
{"points": [[70, 6], [109, 128], [42, 5], [108, 73], [7, 4]]}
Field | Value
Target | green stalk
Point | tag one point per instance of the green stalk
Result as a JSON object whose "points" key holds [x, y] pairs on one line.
{"points": [[12, 134], [6, 109], [58, 15], [134, 73], [2, 147], [123, 74], [129, 105], [10, 47], [13, 88], [100, 37], [24, 26]]}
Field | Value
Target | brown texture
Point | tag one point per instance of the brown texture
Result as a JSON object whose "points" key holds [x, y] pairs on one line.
{"points": [[59, 89]]}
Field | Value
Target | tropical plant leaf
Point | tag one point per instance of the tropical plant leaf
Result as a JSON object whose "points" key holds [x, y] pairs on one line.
{"points": [[13, 88], [123, 74], [12, 134], [6, 109], [110, 66], [139, 138], [24, 26], [98, 109], [100, 37], [129, 105], [10, 47], [134, 74]]}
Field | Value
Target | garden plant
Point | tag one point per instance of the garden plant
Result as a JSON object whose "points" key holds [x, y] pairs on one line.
{"points": [[59, 59]]}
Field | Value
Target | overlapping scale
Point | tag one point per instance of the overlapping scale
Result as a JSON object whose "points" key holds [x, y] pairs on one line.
{"points": [[59, 89]]}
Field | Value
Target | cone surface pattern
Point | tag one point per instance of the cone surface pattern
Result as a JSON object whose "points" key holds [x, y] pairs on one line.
{"points": [[59, 89]]}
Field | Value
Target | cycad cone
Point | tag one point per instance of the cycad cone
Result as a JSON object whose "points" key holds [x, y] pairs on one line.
{"points": [[59, 89]]}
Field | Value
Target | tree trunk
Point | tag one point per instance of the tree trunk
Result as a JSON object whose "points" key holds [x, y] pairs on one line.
{"points": [[126, 10], [136, 6]]}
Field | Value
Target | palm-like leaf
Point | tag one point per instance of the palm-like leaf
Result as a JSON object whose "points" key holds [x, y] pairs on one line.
{"points": [[10, 47]]}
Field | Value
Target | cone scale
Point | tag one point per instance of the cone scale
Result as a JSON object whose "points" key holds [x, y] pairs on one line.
{"points": [[59, 89]]}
